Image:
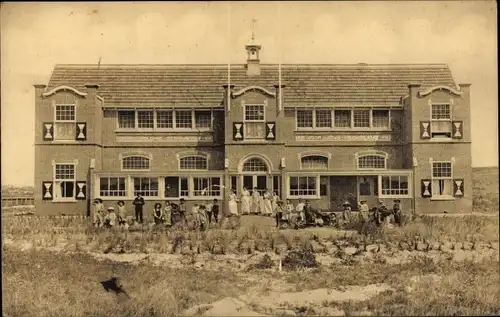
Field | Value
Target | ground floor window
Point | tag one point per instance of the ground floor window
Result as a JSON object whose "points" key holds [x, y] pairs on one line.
{"points": [[190, 186], [394, 185], [442, 180], [206, 186], [64, 181], [303, 186], [277, 185], [146, 186], [112, 187]]}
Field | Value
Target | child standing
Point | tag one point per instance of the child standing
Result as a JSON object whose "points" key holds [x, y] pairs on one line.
{"points": [[122, 213], [215, 210]]}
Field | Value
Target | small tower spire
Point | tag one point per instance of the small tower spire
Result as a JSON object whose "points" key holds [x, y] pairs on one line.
{"points": [[253, 59]]}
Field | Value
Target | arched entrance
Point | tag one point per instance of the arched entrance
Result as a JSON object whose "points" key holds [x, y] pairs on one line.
{"points": [[255, 171]]}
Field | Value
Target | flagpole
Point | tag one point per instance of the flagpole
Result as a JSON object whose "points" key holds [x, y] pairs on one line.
{"points": [[228, 102], [279, 58]]}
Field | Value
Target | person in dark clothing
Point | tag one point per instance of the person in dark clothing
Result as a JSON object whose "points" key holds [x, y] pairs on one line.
{"points": [[182, 211], [396, 209], [309, 212], [158, 214], [215, 210], [139, 203], [279, 213]]}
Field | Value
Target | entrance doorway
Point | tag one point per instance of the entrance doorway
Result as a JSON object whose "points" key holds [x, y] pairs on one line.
{"points": [[368, 190], [342, 189], [251, 181]]}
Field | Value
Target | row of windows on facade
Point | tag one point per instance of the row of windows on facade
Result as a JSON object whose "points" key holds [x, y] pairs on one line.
{"points": [[254, 117], [190, 186], [254, 165]]}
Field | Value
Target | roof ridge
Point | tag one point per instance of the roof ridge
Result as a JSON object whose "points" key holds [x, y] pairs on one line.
{"points": [[410, 65]]}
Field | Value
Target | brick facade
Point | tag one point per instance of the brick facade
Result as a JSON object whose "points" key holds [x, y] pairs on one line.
{"points": [[289, 154]]}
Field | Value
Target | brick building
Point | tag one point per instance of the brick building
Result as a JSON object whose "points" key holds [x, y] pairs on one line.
{"points": [[340, 132]]}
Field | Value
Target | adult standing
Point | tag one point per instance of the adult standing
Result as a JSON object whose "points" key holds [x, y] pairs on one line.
{"points": [[98, 212], [232, 204], [274, 202], [363, 210], [139, 204], [396, 208], [245, 201], [255, 201], [268, 206]]}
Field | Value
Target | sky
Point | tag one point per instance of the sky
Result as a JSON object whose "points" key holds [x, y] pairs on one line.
{"points": [[36, 36]]}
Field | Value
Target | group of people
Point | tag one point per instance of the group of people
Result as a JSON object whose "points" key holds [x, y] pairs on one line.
{"points": [[380, 215], [202, 215], [169, 214]]}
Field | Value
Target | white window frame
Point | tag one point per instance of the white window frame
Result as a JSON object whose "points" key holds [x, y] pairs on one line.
{"points": [[190, 195], [433, 178], [192, 191], [382, 155], [262, 121], [55, 181], [317, 189], [380, 185], [122, 158], [111, 196], [64, 121], [205, 157], [155, 123], [449, 104], [132, 187], [314, 155], [332, 119]]}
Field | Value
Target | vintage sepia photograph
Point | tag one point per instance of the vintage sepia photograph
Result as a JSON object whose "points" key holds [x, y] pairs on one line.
{"points": [[244, 158]]}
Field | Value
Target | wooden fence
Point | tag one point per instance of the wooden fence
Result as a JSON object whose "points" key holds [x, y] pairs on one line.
{"points": [[17, 201]]}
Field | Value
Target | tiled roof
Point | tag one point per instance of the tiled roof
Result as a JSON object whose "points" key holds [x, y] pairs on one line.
{"points": [[201, 85]]}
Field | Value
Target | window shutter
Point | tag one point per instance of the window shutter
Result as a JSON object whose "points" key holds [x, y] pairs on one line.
{"points": [[271, 130], [48, 131], [457, 132], [47, 190], [238, 131], [425, 130], [81, 190], [81, 131], [426, 185], [458, 187]]}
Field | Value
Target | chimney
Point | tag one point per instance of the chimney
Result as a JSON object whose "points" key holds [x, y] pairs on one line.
{"points": [[226, 102], [465, 88], [39, 88], [414, 87], [253, 61], [279, 95]]}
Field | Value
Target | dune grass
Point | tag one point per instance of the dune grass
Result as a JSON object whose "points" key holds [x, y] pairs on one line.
{"points": [[41, 283]]}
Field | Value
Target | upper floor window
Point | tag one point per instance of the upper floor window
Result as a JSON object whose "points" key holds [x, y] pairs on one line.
{"points": [[442, 179], [135, 163], [64, 125], [255, 123], [165, 119], [64, 181], [372, 161], [193, 163], [314, 162], [441, 121], [376, 119]]}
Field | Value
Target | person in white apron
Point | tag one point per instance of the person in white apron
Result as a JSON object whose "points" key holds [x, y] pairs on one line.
{"points": [[245, 201], [255, 201], [268, 207]]}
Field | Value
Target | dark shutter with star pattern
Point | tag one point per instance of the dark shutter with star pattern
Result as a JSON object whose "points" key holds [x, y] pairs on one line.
{"points": [[48, 131], [425, 130], [47, 190], [426, 186], [271, 130], [81, 131], [458, 187], [238, 133], [457, 129], [81, 190]]}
